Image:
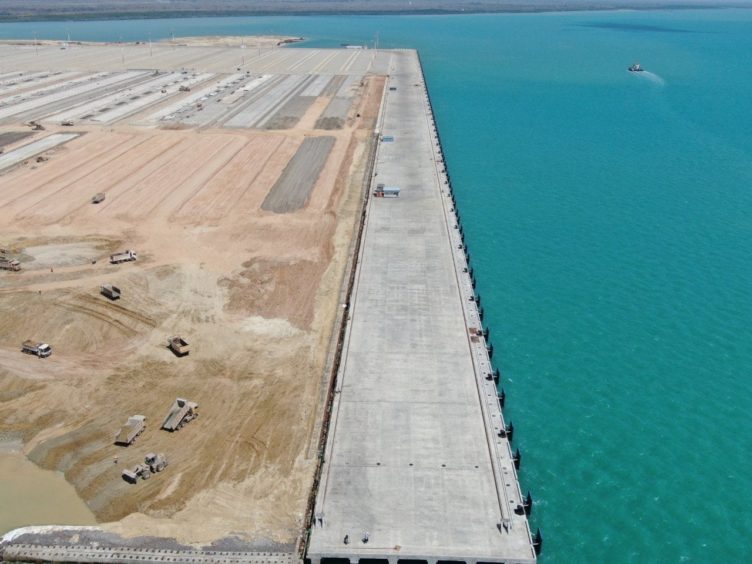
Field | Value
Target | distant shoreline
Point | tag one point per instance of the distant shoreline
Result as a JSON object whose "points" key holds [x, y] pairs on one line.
{"points": [[251, 41], [190, 14]]}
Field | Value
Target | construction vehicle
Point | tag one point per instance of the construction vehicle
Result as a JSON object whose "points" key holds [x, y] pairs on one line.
{"points": [[179, 346], [67, 123], [386, 191], [42, 350], [139, 471], [98, 198], [9, 264], [153, 463], [184, 89], [110, 291], [181, 412], [125, 256], [36, 126], [127, 434]]}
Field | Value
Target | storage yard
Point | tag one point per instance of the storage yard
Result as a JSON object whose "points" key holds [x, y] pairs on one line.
{"points": [[234, 177]]}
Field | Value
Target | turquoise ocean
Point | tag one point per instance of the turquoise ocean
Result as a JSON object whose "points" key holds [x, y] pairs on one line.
{"points": [[609, 220]]}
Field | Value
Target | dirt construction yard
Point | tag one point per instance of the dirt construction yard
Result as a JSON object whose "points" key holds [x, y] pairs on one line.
{"points": [[254, 288]]}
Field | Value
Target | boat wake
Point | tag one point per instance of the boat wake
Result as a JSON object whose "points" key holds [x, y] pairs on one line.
{"points": [[652, 77]]}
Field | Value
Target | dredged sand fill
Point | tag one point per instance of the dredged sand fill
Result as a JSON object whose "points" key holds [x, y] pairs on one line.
{"points": [[254, 291]]}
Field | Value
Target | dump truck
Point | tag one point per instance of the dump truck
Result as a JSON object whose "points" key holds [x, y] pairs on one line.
{"points": [[9, 264], [97, 198], [181, 412], [153, 463], [42, 350], [110, 291], [178, 345], [125, 256], [127, 434]]}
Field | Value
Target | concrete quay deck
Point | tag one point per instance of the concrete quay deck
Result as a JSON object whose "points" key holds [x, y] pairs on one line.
{"points": [[414, 468], [131, 555]]}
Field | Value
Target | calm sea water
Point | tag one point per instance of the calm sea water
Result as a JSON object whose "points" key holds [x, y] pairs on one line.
{"points": [[609, 219]]}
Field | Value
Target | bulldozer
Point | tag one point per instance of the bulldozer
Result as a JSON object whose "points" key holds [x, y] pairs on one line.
{"points": [[153, 463], [156, 462]]}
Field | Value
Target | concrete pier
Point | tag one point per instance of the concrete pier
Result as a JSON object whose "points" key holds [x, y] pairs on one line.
{"points": [[415, 469]]}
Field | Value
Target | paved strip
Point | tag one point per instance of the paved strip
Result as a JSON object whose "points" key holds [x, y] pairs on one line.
{"points": [[38, 86], [34, 148], [197, 59], [289, 114], [294, 185], [134, 106], [347, 90], [10, 137], [67, 93], [76, 78], [317, 86], [414, 467], [185, 103], [22, 81], [260, 110], [112, 99]]}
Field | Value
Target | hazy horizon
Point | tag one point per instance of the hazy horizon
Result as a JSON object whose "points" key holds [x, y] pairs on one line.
{"points": [[54, 9]]}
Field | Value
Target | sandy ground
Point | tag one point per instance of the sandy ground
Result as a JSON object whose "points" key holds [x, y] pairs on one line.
{"points": [[254, 292]]}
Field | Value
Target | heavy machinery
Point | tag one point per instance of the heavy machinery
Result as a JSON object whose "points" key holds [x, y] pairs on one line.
{"points": [[386, 191], [139, 471], [110, 291], [181, 412], [9, 264], [42, 350], [179, 346], [125, 256], [153, 463], [127, 434]]}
